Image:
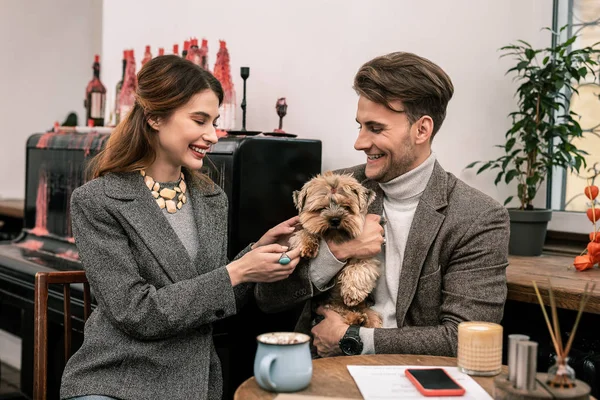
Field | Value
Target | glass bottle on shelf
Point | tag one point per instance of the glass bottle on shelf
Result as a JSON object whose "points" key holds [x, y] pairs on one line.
{"points": [[127, 95], [203, 52], [95, 96], [147, 55], [222, 72], [161, 51], [186, 48], [176, 49], [119, 86]]}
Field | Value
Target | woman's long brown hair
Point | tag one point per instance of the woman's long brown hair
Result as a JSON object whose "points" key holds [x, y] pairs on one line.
{"points": [[165, 83]]}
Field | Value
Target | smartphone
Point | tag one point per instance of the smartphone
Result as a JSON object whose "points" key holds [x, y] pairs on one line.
{"points": [[434, 382]]}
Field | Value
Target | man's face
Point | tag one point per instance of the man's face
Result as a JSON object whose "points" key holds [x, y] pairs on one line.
{"points": [[391, 143]]}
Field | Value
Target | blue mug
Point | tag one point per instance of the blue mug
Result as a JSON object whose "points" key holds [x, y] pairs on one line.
{"points": [[283, 362]]}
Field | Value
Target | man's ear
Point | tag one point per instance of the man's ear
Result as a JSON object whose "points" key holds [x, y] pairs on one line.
{"points": [[424, 128]]}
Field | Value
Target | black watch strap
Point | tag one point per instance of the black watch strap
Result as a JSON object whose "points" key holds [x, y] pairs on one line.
{"points": [[353, 331], [350, 343]]}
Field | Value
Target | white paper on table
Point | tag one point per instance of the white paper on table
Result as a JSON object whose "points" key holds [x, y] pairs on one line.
{"points": [[387, 382]]}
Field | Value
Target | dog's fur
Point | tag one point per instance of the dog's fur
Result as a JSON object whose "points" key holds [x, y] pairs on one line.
{"points": [[334, 207]]}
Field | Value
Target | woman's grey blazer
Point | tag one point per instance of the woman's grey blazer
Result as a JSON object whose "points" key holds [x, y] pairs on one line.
{"points": [[150, 336]]}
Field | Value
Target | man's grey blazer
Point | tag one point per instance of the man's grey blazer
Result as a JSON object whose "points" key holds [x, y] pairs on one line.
{"points": [[454, 269], [150, 336]]}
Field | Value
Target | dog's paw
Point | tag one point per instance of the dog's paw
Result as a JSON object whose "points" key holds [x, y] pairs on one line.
{"points": [[309, 251], [353, 296], [372, 319], [355, 318]]}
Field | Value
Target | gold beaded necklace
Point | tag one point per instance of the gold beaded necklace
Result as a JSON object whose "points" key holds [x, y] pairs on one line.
{"points": [[165, 197]]}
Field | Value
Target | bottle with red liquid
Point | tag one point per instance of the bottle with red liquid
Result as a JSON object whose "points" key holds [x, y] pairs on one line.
{"points": [[127, 95], [147, 55], [222, 72], [176, 49], [95, 97], [161, 51], [119, 86], [186, 49], [203, 52], [194, 52]]}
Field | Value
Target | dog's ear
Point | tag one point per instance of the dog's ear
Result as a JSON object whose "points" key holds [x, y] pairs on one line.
{"points": [[299, 197], [365, 197], [370, 197]]}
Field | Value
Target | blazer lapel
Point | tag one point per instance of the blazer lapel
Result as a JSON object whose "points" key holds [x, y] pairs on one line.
{"points": [[203, 200], [140, 210], [425, 226]]}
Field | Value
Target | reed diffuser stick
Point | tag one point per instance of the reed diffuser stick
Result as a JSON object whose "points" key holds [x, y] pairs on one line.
{"points": [[584, 300], [539, 296], [557, 333]]}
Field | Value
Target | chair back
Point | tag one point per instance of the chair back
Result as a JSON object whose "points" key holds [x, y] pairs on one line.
{"points": [[42, 281]]}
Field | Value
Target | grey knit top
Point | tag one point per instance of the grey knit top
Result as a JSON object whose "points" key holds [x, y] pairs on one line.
{"points": [[183, 223]]}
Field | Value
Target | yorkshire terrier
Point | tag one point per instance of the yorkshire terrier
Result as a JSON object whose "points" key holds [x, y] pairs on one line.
{"points": [[334, 207]]}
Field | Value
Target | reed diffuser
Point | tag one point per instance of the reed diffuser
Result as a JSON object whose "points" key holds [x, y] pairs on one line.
{"points": [[561, 375]]}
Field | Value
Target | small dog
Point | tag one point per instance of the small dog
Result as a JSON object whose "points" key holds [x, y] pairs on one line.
{"points": [[334, 207]]}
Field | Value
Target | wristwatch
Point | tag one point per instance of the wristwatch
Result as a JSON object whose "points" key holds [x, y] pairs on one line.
{"points": [[350, 343]]}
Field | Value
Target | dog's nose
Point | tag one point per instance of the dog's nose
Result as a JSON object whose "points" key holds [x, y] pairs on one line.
{"points": [[335, 222]]}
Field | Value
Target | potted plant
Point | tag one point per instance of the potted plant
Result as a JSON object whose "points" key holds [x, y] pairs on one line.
{"points": [[542, 131]]}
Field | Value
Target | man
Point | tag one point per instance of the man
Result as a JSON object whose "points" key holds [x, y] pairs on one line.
{"points": [[444, 246]]}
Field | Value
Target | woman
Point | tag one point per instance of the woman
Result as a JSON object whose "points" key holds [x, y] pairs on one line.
{"points": [[151, 234]]}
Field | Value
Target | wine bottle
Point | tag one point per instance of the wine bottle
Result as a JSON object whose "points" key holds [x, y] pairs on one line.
{"points": [[147, 55], [95, 97], [118, 88], [176, 49], [186, 48], [127, 95]]}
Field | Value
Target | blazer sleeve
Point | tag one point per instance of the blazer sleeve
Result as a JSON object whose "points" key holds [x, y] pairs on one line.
{"points": [[132, 304], [474, 289]]}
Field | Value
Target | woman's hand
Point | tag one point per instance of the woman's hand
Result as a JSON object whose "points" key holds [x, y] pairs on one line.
{"points": [[262, 265], [366, 245], [279, 234]]}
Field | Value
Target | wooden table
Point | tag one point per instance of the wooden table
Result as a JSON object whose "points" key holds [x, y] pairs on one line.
{"points": [[332, 379], [14, 208], [568, 284]]}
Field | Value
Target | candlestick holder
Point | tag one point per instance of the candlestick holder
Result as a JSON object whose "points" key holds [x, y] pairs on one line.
{"points": [[245, 74]]}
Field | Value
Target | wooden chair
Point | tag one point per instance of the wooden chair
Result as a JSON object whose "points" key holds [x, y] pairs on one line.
{"points": [[42, 280]]}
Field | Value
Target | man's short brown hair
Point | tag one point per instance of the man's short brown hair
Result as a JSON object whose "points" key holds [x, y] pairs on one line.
{"points": [[422, 86]]}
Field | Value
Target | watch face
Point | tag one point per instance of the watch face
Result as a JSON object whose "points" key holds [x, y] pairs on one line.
{"points": [[350, 346]]}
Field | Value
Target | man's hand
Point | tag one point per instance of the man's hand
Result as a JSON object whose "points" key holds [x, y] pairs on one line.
{"points": [[367, 245], [328, 333]]}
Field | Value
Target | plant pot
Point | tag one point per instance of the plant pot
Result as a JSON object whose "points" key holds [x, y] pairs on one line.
{"points": [[528, 231]]}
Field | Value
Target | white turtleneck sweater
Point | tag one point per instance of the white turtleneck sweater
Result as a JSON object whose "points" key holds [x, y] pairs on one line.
{"points": [[401, 197]]}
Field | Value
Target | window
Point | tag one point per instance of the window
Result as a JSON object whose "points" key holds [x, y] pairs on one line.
{"points": [[567, 199]]}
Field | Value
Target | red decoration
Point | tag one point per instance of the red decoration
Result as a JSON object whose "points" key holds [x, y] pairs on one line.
{"points": [[592, 258], [591, 192], [593, 214], [582, 263]]}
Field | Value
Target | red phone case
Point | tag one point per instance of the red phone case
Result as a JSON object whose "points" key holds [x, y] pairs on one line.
{"points": [[435, 392]]}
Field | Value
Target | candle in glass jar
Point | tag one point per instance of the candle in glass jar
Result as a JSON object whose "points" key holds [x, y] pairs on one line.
{"points": [[480, 348]]}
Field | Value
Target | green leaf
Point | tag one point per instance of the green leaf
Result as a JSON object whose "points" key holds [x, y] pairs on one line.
{"points": [[530, 53], [545, 60], [510, 175], [509, 144], [485, 166], [498, 177], [508, 200], [472, 164]]}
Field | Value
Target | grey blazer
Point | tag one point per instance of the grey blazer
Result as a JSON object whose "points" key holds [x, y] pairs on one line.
{"points": [[150, 336], [454, 269]]}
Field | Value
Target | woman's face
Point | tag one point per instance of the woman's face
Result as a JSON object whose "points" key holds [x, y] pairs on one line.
{"points": [[184, 138]]}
